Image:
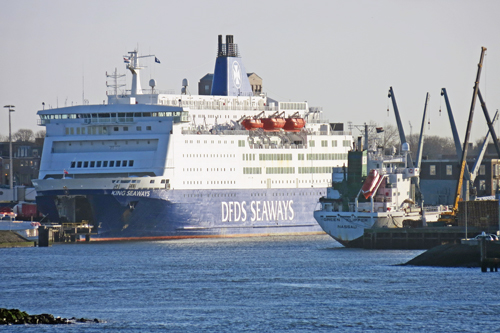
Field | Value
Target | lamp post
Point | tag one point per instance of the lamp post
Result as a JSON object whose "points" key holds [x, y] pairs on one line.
{"points": [[11, 179]]}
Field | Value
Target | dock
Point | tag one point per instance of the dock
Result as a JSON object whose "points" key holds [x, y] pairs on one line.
{"points": [[64, 233], [413, 238]]}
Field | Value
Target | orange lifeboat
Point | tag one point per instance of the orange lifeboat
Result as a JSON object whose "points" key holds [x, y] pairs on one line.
{"points": [[294, 124], [252, 124], [273, 124]]}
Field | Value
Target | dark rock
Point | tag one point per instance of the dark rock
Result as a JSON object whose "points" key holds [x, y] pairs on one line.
{"points": [[18, 317]]}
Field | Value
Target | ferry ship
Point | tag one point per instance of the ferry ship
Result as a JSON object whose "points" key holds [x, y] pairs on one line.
{"points": [[158, 165]]}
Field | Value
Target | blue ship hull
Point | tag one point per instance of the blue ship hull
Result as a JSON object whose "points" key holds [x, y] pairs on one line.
{"points": [[134, 214]]}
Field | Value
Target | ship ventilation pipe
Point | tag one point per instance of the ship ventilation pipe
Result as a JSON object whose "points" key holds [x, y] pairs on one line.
{"points": [[220, 52], [230, 49]]}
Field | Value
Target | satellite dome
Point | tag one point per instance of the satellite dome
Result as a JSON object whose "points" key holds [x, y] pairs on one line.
{"points": [[405, 146]]}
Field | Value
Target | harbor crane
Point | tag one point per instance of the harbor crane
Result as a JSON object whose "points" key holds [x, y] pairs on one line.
{"points": [[450, 217]]}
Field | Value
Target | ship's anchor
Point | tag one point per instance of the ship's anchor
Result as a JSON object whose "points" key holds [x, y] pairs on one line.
{"points": [[132, 204]]}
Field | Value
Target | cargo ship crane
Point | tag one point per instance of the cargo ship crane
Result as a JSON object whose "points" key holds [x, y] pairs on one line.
{"points": [[456, 138], [451, 217], [401, 131], [488, 120], [480, 156], [420, 149], [403, 138]]}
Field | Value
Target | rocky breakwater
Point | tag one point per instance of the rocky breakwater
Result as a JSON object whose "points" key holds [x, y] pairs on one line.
{"points": [[454, 255], [18, 317]]}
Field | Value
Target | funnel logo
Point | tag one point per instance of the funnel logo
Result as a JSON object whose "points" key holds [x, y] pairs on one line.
{"points": [[236, 74]]}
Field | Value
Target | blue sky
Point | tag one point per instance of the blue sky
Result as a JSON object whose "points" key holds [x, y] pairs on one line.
{"points": [[340, 55]]}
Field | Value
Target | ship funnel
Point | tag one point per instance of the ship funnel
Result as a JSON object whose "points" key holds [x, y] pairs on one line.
{"points": [[230, 77]]}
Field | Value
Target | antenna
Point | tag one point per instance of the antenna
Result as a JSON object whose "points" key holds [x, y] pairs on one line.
{"points": [[115, 76], [132, 63]]}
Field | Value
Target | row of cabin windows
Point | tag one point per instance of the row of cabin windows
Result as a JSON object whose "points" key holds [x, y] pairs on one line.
{"points": [[217, 116], [275, 157], [208, 169], [197, 195], [212, 182], [285, 170], [109, 115], [315, 169], [96, 130], [300, 157], [325, 157], [208, 155], [227, 182], [125, 128], [102, 164], [317, 181], [213, 141], [241, 143], [324, 143]]}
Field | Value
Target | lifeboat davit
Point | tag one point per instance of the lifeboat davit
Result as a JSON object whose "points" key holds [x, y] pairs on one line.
{"points": [[294, 124], [273, 124], [371, 183], [251, 124]]}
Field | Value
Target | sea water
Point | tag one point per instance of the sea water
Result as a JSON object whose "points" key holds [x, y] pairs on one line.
{"points": [[264, 284]]}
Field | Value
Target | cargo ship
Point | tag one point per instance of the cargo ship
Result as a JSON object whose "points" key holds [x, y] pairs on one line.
{"points": [[379, 198], [155, 165]]}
